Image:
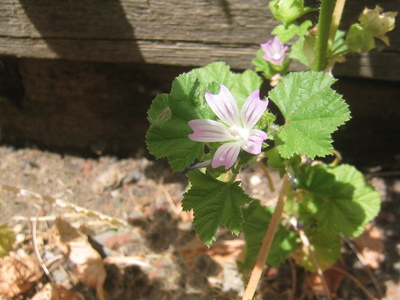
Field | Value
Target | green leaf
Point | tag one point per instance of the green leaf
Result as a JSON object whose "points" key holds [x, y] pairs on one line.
{"points": [[277, 162], [341, 199], [312, 112], [359, 39], [257, 218], [244, 85], [7, 238], [326, 251], [285, 33], [168, 134], [214, 204], [218, 72], [339, 46], [297, 52]]}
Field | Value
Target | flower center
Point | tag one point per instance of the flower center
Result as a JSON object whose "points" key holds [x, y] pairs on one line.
{"points": [[238, 132], [276, 56]]}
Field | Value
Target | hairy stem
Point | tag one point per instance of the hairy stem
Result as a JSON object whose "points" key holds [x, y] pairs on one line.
{"points": [[324, 28], [267, 241]]}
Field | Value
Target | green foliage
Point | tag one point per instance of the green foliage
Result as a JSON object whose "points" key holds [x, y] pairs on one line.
{"points": [[359, 39], [326, 251], [288, 11], [297, 52], [170, 113], [7, 238], [257, 219], [286, 33], [338, 197], [312, 112], [214, 203], [277, 162]]}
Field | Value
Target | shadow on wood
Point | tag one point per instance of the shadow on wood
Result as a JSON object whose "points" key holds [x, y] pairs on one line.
{"points": [[83, 28]]}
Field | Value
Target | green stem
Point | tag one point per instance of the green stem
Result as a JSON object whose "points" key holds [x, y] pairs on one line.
{"points": [[324, 28]]}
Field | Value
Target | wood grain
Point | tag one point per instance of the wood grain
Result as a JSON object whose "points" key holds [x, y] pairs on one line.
{"points": [[173, 32]]}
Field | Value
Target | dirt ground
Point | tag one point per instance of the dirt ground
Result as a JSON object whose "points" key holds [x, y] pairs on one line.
{"points": [[167, 261]]}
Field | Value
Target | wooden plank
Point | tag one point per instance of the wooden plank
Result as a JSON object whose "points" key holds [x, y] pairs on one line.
{"points": [[172, 32]]}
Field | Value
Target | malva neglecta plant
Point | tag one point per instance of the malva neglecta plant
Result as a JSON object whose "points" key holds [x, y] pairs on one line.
{"points": [[213, 123]]}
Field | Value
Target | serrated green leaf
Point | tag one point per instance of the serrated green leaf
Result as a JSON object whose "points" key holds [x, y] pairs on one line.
{"points": [[167, 136], [343, 201], [218, 72], [214, 204], [7, 238], [285, 33], [326, 251], [312, 112], [257, 218]]}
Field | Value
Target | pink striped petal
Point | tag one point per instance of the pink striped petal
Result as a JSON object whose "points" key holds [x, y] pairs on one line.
{"points": [[209, 131], [226, 155], [254, 142], [252, 110], [224, 106]]}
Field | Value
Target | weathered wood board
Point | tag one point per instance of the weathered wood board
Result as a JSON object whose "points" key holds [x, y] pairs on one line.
{"points": [[172, 32]]}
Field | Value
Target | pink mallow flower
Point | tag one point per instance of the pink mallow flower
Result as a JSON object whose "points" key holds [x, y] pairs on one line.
{"points": [[274, 51], [235, 130]]}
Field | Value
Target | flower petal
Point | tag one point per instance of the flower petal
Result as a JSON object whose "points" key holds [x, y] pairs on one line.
{"points": [[209, 131], [254, 141], [224, 106], [226, 155], [274, 51], [252, 110]]}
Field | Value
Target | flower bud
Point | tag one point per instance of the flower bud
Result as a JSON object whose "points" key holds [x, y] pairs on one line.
{"points": [[378, 23]]}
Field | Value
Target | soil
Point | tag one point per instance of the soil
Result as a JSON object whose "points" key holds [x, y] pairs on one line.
{"points": [[147, 195]]}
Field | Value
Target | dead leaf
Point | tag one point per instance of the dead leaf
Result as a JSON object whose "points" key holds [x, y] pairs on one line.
{"points": [[226, 251], [58, 292], [371, 246], [115, 241], [18, 273], [332, 277], [89, 265], [109, 179], [87, 167]]}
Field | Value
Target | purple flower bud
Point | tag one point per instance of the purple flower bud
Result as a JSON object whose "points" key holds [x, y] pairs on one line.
{"points": [[274, 51]]}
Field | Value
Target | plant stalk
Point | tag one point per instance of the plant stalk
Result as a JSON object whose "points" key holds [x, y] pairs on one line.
{"points": [[336, 17], [267, 242], [323, 35]]}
